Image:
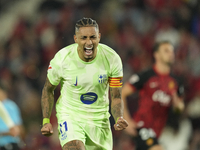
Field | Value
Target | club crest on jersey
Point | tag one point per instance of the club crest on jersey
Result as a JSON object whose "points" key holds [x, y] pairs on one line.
{"points": [[103, 78]]}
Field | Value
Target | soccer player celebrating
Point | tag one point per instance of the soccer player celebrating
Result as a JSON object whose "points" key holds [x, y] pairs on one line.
{"points": [[85, 70], [159, 89]]}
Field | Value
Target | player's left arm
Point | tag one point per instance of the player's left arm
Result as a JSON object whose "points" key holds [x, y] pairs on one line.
{"points": [[178, 98], [117, 108], [177, 102], [115, 83]]}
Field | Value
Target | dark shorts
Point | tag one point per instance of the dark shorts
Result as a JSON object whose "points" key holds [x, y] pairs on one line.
{"points": [[145, 139], [11, 146]]}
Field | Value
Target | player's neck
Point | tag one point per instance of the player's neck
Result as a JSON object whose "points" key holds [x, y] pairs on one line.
{"points": [[162, 68]]}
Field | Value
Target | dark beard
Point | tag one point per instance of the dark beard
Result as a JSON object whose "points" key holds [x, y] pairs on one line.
{"points": [[88, 59]]}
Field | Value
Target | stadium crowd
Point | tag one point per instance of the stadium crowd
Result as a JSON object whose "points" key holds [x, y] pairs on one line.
{"points": [[131, 27]]}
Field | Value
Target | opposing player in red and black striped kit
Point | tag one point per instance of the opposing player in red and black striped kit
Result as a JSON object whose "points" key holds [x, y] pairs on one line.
{"points": [[159, 90]]}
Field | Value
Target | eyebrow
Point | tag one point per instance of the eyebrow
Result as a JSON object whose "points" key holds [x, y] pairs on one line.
{"points": [[89, 36]]}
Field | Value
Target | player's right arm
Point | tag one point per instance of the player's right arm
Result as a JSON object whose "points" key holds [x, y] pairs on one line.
{"points": [[54, 75], [47, 102], [127, 90], [135, 83]]}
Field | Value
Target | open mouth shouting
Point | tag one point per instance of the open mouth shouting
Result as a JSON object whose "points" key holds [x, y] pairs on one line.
{"points": [[88, 51]]}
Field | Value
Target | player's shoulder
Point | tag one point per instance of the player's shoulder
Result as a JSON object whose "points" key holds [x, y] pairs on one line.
{"points": [[149, 72], [177, 78], [106, 49], [108, 53], [65, 52], [173, 75], [142, 76]]}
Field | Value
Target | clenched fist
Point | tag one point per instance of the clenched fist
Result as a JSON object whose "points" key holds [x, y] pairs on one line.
{"points": [[47, 129], [121, 124]]}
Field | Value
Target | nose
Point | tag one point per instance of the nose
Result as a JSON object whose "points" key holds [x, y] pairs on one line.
{"points": [[88, 42]]}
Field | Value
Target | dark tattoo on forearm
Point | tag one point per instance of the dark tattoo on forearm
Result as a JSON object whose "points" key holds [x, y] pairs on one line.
{"points": [[47, 99], [117, 110], [117, 103], [74, 145], [111, 92], [115, 93]]}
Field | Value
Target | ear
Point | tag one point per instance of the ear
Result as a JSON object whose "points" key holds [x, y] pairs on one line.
{"points": [[99, 36], [155, 55], [75, 38]]}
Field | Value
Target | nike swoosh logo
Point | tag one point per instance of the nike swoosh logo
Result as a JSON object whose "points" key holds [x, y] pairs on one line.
{"points": [[76, 82]]}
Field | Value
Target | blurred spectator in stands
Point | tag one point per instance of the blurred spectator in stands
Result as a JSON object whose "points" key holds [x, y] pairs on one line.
{"points": [[7, 141]]}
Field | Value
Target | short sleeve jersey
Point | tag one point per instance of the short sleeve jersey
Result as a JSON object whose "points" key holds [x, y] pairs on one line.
{"points": [[84, 85], [155, 98]]}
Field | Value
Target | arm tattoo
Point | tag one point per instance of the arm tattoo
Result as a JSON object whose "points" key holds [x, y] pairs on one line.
{"points": [[47, 99], [74, 145], [117, 103]]}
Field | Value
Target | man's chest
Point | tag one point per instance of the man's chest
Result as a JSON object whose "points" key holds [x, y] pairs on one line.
{"points": [[160, 89], [85, 75]]}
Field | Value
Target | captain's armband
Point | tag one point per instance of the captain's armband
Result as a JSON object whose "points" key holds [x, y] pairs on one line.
{"points": [[115, 81]]}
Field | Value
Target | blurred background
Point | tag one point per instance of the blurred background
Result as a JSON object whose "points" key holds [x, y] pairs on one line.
{"points": [[32, 31]]}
